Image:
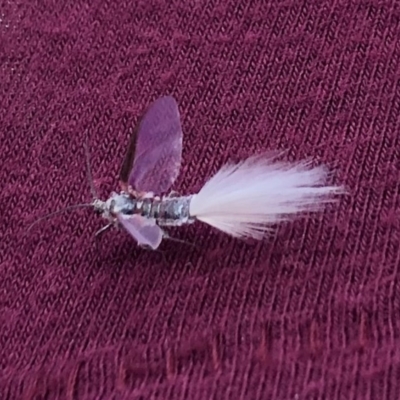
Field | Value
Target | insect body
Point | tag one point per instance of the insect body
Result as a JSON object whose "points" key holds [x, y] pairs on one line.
{"points": [[241, 200], [142, 217], [167, 211]]}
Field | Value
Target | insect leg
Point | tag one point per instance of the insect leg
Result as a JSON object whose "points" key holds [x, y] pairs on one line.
{"points": [[103, 229]]}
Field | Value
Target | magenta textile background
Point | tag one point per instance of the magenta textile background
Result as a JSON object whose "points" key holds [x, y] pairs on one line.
{"points": [[312, 312]]}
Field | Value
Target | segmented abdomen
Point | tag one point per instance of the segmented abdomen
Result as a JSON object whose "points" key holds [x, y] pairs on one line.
{"points": [[167, 211]]}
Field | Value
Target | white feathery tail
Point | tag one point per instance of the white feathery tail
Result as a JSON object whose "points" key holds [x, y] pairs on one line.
{"points": [[248, 198]]}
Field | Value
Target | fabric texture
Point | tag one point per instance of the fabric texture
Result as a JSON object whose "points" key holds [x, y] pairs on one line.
{"points": [[312, 312]]}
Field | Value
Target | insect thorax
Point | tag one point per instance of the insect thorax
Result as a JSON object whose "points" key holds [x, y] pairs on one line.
{"points": [[173, 211]]}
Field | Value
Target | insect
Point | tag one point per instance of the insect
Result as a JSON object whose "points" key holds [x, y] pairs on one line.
{"points": [[243, 200]]}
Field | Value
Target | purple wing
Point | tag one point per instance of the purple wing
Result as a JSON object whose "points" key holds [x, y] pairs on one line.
{"points": [[144, 230], [156, 147]]}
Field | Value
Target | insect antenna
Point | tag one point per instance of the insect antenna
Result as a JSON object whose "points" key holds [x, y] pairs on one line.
{"points": [[89, 169], [74, 206], [54, 213]]}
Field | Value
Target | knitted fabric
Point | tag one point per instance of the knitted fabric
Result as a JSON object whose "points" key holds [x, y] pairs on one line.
{"points": [[311, 312]]}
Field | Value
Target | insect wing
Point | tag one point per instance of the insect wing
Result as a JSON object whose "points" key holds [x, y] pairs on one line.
{"points": [[144, 230], [154, 155]]}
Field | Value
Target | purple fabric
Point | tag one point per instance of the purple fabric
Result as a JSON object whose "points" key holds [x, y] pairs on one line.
{"points": [[310, 313]]}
